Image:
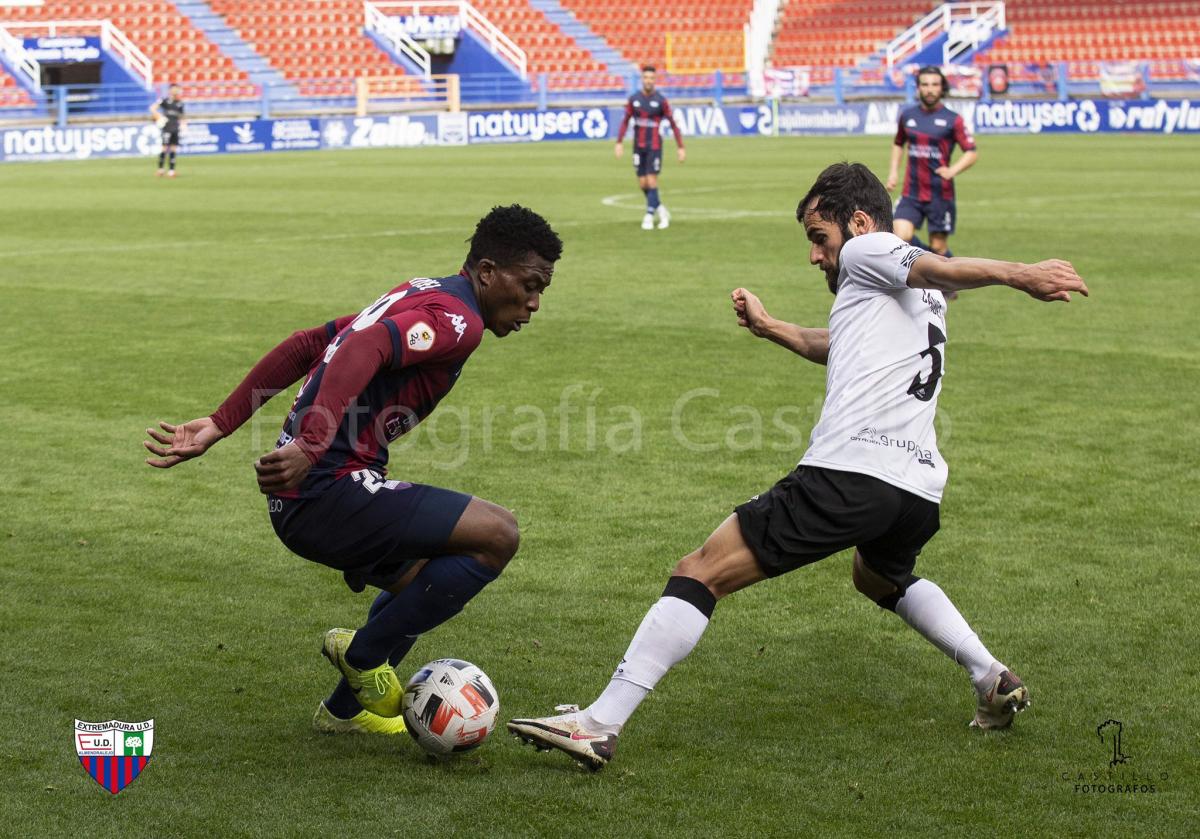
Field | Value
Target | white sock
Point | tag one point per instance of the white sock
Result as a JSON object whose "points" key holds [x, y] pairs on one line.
{"points": [[667, 634], [927, 609]]}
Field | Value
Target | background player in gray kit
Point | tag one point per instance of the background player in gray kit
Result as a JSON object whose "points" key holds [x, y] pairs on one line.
{"points": [[169, 110], [872, 477]]}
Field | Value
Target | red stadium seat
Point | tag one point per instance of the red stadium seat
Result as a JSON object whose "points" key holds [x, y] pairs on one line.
{"points": [[1110, 30]]}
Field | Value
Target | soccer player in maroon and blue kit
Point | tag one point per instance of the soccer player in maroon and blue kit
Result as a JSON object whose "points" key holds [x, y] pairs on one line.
{"points": [[647, 109], [931, 131], [370, 378]]}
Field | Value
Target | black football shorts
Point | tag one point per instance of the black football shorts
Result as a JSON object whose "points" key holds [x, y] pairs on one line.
{"points": [[813, 512]]}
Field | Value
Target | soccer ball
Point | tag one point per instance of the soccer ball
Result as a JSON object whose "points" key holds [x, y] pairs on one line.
{"points": [[450, 706]]}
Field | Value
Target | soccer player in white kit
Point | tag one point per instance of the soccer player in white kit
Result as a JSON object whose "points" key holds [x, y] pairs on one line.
{"points": [[872, 477]]}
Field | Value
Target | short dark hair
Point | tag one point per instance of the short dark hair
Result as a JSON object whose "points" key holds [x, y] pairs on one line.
{"points": [[934, 70], [507, 234], [843, 188], [649, 68]]}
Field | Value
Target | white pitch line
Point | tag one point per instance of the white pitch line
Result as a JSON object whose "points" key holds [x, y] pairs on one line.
{"points": [[620, 202], [266, 240]]}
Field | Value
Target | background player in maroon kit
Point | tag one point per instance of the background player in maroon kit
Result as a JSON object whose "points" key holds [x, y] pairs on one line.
{"points": [[930, 130], [647, 109], [372, 377]]}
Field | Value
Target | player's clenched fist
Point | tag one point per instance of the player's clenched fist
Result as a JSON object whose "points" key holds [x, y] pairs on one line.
{"points": [[1053, 279], [749, 310], [282, 469]]}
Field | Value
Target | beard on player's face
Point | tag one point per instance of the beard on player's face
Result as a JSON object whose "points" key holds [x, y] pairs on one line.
{"points": [[833, 267], [827, 237]]}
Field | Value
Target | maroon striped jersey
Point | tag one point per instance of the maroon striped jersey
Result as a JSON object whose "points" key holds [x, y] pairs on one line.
{"points": [[931, 137], [434, 325], [647, 113]]}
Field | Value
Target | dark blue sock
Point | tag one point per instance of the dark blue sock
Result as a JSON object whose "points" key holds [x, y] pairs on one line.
{"points": [[436, 594], [652, 200], [948, 254], [171, 161], [917, 243], [341, 702]]}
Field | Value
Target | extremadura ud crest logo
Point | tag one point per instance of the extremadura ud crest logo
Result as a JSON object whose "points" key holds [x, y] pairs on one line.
{"points": [[114, 752]]}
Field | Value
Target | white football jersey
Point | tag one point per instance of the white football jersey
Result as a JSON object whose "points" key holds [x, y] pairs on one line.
{"points": [[887, 356]]}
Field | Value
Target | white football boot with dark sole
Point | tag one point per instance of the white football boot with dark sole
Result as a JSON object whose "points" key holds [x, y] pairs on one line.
{"points": [[563, 732], [1003, 697]]}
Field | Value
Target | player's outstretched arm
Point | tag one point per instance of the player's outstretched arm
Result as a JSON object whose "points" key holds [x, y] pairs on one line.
{"points": [[278, 369], [347, 373], [812, 344], [1050, 280], [177, 443]]}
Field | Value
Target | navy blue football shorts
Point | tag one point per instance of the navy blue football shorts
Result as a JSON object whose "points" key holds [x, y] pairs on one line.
{"points": [[369, 528], [647, 161], [941, 213]]}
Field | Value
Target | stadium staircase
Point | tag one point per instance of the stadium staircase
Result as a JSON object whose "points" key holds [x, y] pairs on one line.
{"points": [[243, 56], [706, 34], [614, 63], [178, 49]]}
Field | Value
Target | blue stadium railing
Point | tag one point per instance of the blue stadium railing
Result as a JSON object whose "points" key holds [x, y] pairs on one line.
{"points": [[64, 104]]}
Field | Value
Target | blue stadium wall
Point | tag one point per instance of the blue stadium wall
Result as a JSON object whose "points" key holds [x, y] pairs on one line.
{"points": [[1085, 116]]}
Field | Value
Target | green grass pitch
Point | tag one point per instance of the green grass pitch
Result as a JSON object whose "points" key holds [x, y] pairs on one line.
{"points": [[1069, 537]]}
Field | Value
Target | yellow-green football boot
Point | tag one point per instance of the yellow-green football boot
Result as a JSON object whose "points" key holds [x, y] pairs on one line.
{"points": [[377, 690], [364, 722]]}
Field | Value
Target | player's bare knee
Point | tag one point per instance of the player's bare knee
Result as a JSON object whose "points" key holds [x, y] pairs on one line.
{"points": [[701, 566], [694, 565], [689, 566], [504, 539]]}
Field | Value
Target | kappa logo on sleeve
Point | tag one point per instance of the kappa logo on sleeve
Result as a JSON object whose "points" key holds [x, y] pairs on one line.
{"points": [[420, 337], [459, 323]]}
